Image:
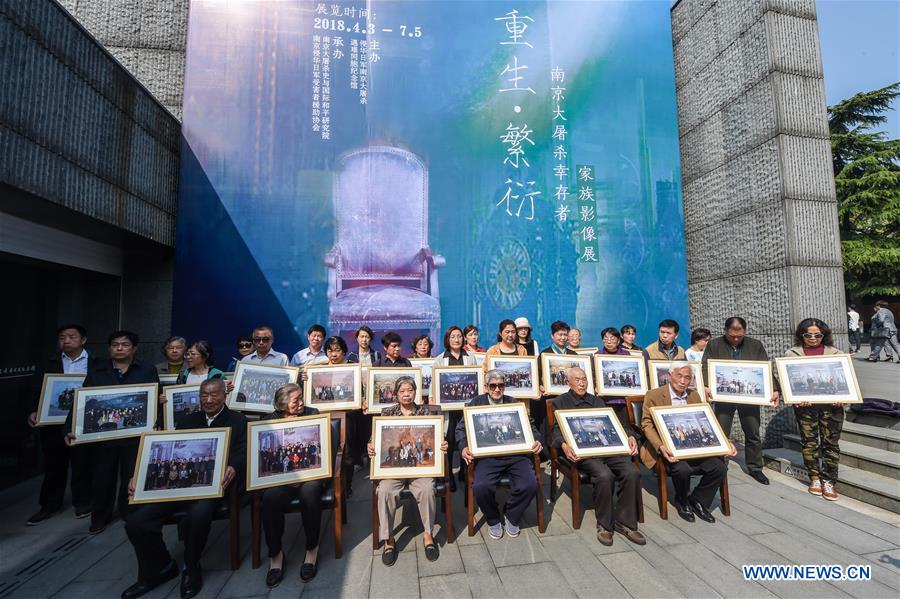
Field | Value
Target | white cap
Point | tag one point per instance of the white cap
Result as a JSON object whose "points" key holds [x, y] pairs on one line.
{"points": [[522, 322]]}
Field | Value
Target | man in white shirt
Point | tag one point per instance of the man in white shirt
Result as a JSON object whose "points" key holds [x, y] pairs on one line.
{"points": [[263, 338], [315, 353], [853, 328]]}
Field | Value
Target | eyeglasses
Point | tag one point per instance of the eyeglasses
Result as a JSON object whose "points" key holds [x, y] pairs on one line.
{"points": [[813, 335], [261, 339], [245, 344], [494, 386]]}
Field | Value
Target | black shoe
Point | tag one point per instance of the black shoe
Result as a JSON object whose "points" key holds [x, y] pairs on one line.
{"points": [[191, 584], [308, 571], [389, 556], [143, 587], [82, 511], [432, 552], [685, 512], [759, 477], [701, 511], [274, 577], [97, 527], [39, 517]]}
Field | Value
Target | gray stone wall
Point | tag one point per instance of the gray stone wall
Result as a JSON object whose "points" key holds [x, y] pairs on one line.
{"points": [[149, 37], [760, 208]]}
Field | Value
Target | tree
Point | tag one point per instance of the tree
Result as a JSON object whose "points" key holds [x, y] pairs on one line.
{"points": [[867, 178]]}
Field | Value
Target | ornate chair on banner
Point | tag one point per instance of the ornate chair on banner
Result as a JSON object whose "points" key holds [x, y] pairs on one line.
{"points": [[381, 271]]}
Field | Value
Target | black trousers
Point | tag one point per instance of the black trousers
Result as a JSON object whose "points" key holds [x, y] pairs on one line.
{"points": [[712, 472], [144, 528], [274, 502], [605, 474], [453, 420], [359, 431], [57, 458], [522, 488], [111, 467], [749, 416]]}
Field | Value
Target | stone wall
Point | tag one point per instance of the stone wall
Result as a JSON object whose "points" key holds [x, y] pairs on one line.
{"points": [[760, 209]]}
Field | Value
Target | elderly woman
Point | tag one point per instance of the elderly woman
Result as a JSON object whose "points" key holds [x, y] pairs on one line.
{"points": [[820, 425], [288, 403], [388, 490], [173, 349], [422, 346], [574, 340], [612, 345], [199, 365]]}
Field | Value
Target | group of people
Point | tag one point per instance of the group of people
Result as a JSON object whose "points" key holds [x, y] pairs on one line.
{"points": [[179, 473], [103, 468], [333, 392], [98, 419], [882, 332], [691, 436], [624, 379], [289, 458], [408, 454], [737, 387]]}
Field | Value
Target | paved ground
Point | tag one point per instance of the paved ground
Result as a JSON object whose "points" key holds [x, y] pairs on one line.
{"points": [[877, 380]]}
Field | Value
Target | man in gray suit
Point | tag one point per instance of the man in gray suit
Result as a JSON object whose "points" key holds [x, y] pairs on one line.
{"points": [[883, 331]]}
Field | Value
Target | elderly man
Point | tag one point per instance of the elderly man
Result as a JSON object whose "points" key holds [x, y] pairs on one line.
{"points": [[489, 471], [263, 338], [735, 345], [144, 524], [712, 470], [604, 472]]}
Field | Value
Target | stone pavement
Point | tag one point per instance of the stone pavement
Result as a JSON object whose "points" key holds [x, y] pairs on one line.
{"points": [[778, 524]]}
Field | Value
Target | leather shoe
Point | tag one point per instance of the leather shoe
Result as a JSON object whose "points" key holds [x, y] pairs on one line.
{"points": [[759, 477], [97, 527], [604, 536], [82, 511], [308, 571], [143, 587], [274, 577], [631, 534], [40, 517], [191, 584], [685, 512], [701, 511]]}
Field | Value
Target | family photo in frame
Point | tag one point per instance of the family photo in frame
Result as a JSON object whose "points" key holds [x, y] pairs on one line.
{"points": [[407, 447], [555, 366], [333, 387], [288, 451], [818, 379], [180, 465], [593, 432], [502, 429], [380, 387], [57, 397], [181, 400], [659, 374], [520, 373], [455, 386], [255, 385], [690, 431], [741, 381], [116, 412], [620, 375]]}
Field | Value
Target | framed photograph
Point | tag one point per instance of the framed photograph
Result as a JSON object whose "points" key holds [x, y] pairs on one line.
{"points": [[333, 387], [425, 364], [740, 381], [181, 400], [479, 357], [521, 374], [498, 430], [586, 351], [175, 466], [167, 379], [690, 431], [818, 379], [620, 375], [288, 451], [455, 386], [380, 387], [593, 432], [255, 386], [57, 397], [555, 366], [117, 412], [659, 375], [228, 376], [407, 447]]}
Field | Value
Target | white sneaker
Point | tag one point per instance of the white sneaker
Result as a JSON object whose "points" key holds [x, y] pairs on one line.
{"points": [[815, 487], [511, 529], [496, 531], [828, 491]]}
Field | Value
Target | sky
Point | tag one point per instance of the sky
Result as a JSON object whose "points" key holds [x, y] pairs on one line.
{"points": [[860, 41]]}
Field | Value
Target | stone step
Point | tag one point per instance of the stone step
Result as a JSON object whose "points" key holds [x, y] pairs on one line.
{"points": [[873, 436], [867, 487], [871, 459]]}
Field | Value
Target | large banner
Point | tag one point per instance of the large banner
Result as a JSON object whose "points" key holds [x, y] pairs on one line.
{"points": [[413, 165]]}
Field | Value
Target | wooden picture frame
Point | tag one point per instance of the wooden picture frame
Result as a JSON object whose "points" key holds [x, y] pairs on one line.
{"points": [[335, 381], [179, 397], [658, 371], [274, 457], [698, 430], [425, 365], [593, 432], [191, 450], [396, 459], [586, 351], [255, 386], [485, 439], [818, 379], [455, 398], [167, 379], [514, 368], [554, 366], [631, 368], [57, 398], [114, 412], [740, 381], [379, 376]]}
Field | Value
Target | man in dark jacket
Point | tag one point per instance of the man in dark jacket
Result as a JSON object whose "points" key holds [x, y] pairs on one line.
{"points": [[71, 358], [144, 524], [489, 470], [109, 460], [735, 345]]}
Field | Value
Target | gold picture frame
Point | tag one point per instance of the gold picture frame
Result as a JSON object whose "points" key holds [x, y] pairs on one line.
{"points": [[512, 366], [485, 439], [401, 463], [588, 443], [141, 396], [173, 392], [262, 471], [553, 365], [378, 375], [701, 422], [445, 400], [261, 399], [739, 381], [618, 365], [655, 368], [828, 375], [57, 398], [320, 371]]}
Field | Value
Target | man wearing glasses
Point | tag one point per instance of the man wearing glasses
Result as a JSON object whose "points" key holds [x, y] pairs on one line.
{"points": [[262, 339], [735, 345], [488, 471]]}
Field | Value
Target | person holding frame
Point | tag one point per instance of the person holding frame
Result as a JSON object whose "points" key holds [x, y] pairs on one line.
{"points": [[489, 470], [388, 490], [198, 365], [820, 424], [611, 344], [559, 333], [712, 470], [506, 342], [144, 524], [607, 472], [288, 403], [111, 462]]}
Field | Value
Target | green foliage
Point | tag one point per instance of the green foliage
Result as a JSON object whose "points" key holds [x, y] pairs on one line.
{"points": [[867, 180]]}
